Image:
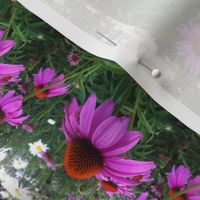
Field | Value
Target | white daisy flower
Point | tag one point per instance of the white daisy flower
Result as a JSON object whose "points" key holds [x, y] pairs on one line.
{"points": [[4, 153], [12, 186], [51, 121], [19, 163], [36, 148], [4, 195], [3, 174]]}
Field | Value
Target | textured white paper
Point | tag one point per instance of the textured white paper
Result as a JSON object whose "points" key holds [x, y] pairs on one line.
{"points": [[163, 34]]}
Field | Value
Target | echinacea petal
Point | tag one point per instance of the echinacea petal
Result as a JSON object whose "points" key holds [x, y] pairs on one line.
{"points": [[10, 69], [132, 166], [122, 180], [194, 181], [6, 97], [103, 112], [16, 121], [5, 46], [47, 75], [86, 115], [143, 196], [73, 106], [12, 106], [110, 132], [128, 141], [178, 177]]}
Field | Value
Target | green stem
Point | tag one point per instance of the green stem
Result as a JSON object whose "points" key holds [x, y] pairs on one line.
{"points": [[179, 193], [137, 102], [10, 22]]}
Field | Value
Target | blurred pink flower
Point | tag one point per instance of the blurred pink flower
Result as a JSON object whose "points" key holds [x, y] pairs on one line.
{"points": [[73, 58], [5, 45], [11, 109], [189, 47], [28, 127], [46, 78], [49, 160], [114, 187], [8, 72], [178, 179]]}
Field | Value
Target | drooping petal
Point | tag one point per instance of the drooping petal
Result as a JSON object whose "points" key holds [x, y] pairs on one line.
{"points": [[5, 46], [6, 97], [12, 106], [143, 196], [178, 177], [38, 78], [16, 121], [128, 141], [122, 180], [9, 69], [86, 115], [73, 106], [195, 192], [47, 75], [130, 166], [110, 132], [103, 112]]}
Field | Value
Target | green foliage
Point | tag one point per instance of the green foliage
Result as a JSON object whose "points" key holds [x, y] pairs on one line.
{"points": [[166, 140]]}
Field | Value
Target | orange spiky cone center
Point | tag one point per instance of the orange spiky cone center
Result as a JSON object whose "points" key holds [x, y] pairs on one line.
{"points": [[109, 186], [82, 160], [40, 95], [173, 191]]}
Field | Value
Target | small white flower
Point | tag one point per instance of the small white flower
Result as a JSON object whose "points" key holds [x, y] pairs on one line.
{"points": [[5, 195], [36, 148], [51, 121], [3, 153], [12, 186], [19, 163]]}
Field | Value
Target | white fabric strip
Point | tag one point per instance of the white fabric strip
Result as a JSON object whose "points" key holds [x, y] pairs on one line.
{"points": [[126, 54]]}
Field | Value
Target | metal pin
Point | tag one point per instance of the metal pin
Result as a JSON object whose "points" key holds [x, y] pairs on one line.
{"points": [[155, 73], [109, 40]]}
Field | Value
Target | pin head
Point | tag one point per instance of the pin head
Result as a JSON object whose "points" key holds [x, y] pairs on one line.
{"points": [[156, 73]]}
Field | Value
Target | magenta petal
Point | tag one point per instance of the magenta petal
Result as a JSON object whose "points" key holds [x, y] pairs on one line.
{"points": [[110, 132], [5, 46], [12, 106], [86, 115], [6, 97], [73, 106], [178, 177], [57, 92], [128, 141], [194, 181], [38, 78], [16, 121], [47, 75], [143, 196], [132, 166], [125, 181], [102, 112], [9, 69]]}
